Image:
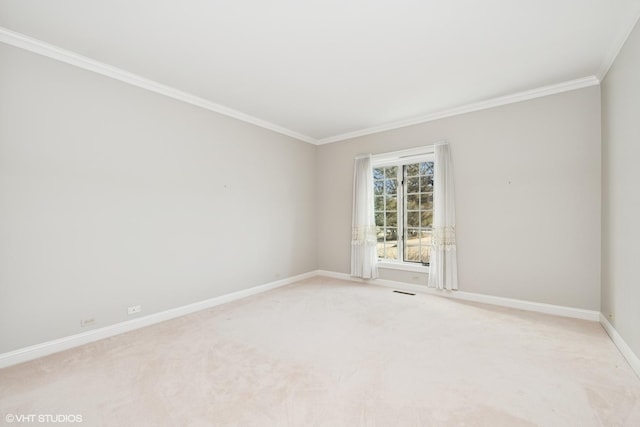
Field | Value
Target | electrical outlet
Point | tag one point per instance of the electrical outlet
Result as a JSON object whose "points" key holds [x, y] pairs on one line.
{"points": [[610, 316], [87, 322], [134, 309]]}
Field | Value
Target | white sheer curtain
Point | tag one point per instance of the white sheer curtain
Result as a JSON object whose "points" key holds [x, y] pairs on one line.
{"points": [[364, 258], [443, 269]]}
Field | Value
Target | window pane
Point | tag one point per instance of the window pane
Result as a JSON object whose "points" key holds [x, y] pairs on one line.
{"points": [[426, 168], [413, 219], [426, 201], [425, 238], [384, 253], [391, 186], [379, 203], [413, 185], [386, 211], [391, 251], [392, 203], [391, 172], [413, 202], [391, 235], [380, 219], [426, 219], [413, 254], [413, 170], [412, 246], [426, 184], [378, 187], [380, 245], [391, 248], [418, 245], [392, 219], [425, 253]]}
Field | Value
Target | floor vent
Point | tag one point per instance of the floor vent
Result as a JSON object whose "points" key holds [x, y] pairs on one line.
{"points": [[406, 293]]}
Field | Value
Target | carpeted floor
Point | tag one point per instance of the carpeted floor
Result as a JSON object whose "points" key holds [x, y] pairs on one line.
{"points": [[325, 352]]}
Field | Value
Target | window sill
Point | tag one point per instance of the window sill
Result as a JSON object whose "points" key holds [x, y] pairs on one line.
{"points": [[403, 266]]}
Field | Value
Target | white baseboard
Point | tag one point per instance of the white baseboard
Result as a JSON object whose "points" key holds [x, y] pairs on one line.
{"points": [[558, 310], [39, 350], [624, 348], [54, 346]]}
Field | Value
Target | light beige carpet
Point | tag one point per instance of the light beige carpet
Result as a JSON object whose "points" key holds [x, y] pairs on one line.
{"points": [[325, 352]]}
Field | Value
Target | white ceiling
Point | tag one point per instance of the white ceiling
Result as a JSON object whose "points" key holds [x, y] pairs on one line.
{"points": [[326, 68]]}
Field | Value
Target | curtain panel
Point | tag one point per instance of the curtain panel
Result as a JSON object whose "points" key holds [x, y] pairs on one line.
{"points": [[443, 264], [364, 258]]}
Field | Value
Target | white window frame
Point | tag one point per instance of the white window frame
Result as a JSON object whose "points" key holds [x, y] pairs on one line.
{"points": [[401, 158]]}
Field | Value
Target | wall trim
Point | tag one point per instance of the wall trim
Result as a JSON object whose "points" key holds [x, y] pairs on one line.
{"points": [[576, 313], [54, 346], [616, 47], [469, 108], [624, 348], [45, 49], [557, 310]]}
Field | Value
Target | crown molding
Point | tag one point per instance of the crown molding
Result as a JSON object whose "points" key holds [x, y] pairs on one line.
{"points": [[476, 106], [616, 47], [45, 49]]}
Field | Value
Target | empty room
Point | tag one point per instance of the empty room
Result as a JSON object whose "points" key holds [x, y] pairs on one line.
{"points": [[356, 213]]}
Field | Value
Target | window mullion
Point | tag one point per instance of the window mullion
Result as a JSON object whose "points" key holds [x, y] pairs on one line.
{"points": [[401, 212]]}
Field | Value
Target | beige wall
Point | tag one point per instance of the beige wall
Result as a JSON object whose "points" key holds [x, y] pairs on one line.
{"points": [[527, 179], [112, 196], [621, 195]]}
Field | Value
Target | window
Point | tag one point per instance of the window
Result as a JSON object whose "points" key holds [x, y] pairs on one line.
{"points": [[403, 191]]}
